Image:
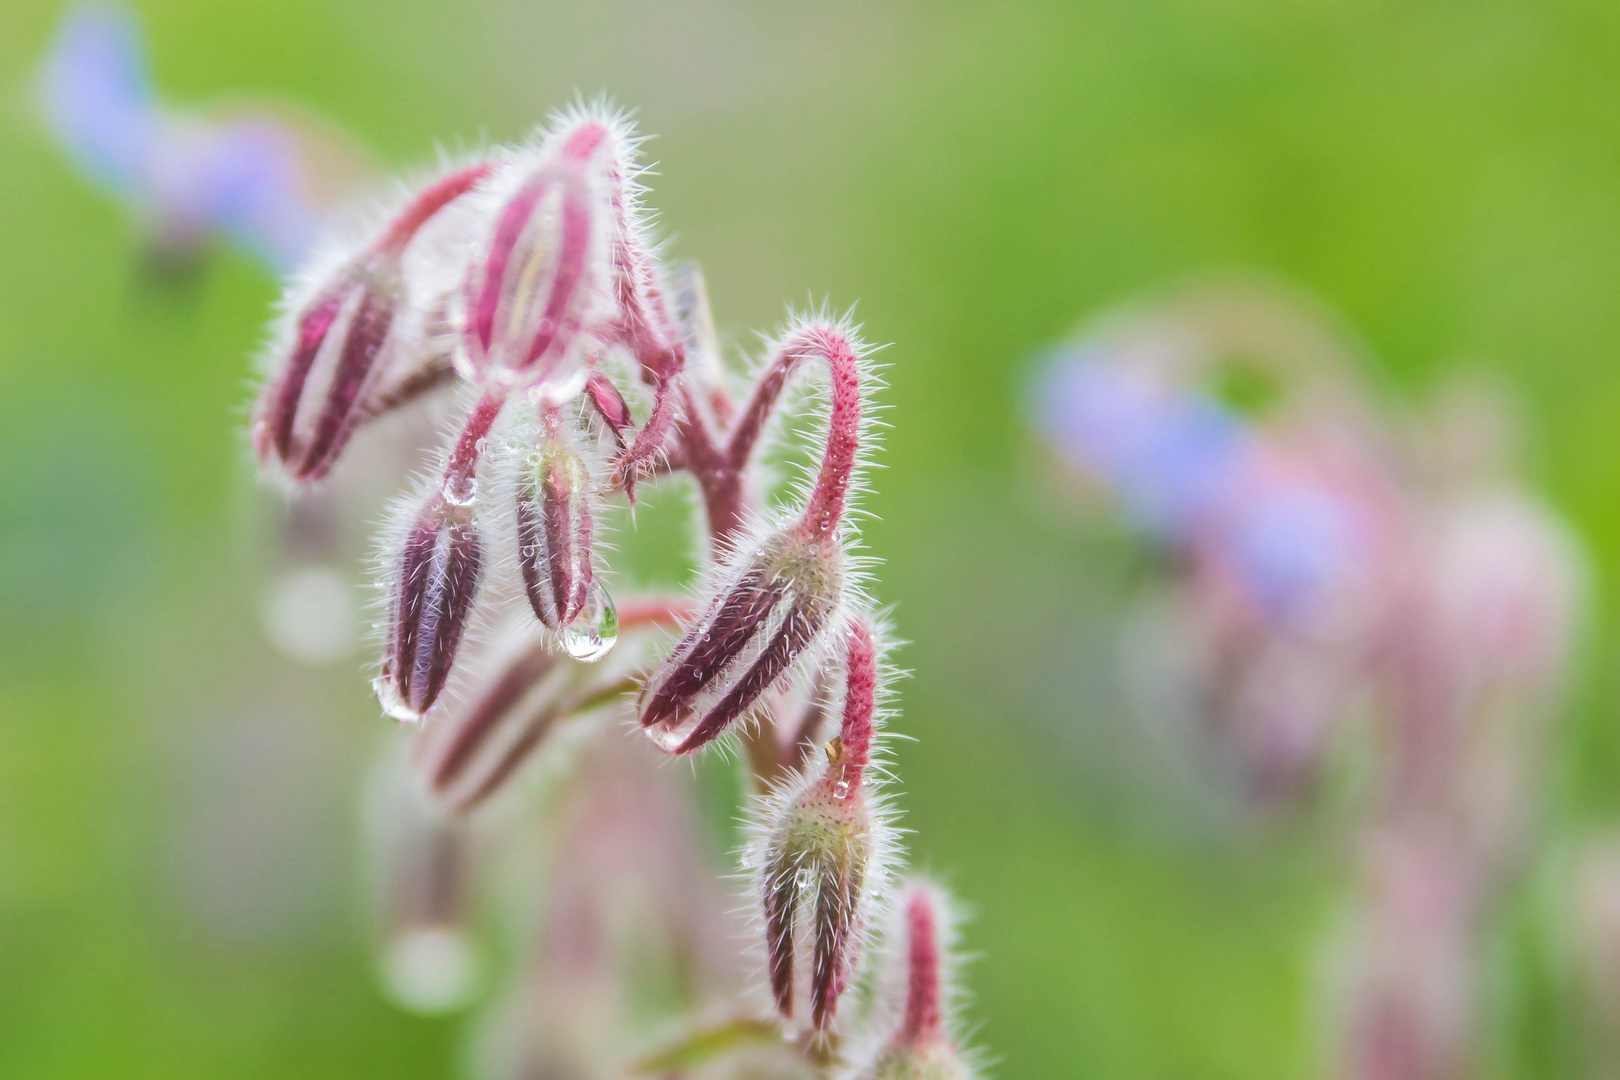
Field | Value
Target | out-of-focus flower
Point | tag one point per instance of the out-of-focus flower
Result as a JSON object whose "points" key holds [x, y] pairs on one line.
{"points": [[264, 179], [1282, 527]]}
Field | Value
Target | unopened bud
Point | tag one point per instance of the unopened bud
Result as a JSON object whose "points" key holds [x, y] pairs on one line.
{"points": [[824, 855], [554, 533], [529, 294], [430, 599], [775, 603], [330, 376], [312, 406]]}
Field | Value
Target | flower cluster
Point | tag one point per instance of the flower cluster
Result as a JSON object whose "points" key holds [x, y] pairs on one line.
{"points": [[522, 297], [1338, 575]]}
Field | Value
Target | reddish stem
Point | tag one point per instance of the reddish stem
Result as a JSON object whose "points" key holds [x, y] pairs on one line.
{"points": [[924, 1018], [430, 201], [462, 468], [860, 702]]}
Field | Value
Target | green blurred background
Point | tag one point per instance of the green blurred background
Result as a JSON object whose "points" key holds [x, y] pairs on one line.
{"points": [[178, 889]]}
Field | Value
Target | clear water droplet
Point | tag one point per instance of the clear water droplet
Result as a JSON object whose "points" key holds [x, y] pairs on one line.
{"points": [[460, 492], [841, 789], [393, 705], [805, 878], [595, 629]]}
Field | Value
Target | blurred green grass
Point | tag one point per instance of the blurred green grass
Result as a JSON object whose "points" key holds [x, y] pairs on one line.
{"points": [[1446, 175]]}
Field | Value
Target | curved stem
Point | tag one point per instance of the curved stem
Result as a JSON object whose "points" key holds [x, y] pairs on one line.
{"points": [[430, 201]]}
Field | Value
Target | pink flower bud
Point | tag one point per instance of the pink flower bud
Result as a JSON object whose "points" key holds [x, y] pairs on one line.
{"points": [[776, 602], [330, 377], [429, 601], [824, 857], [520, 692], [921, 1047], [543, 274], [554, 533]]}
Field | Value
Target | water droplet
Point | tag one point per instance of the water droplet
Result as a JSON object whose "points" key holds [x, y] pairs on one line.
{"points": [[460, 491], [841, 789], [393, 705], [482, 445], [309, 615], [595, 629], [430, 969], [805, 878]]}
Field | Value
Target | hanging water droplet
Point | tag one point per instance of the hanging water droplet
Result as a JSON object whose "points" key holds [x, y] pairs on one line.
{"points": [[841, 789], [393, 705], [805, 878], [482, 445], [595, 629], [460, 491], [430, 970]]}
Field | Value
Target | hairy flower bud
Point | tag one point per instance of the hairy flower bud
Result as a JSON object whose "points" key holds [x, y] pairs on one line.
{"points": [[776, 602], [824, 855], [537, 281], [429, 601], [554, 533], [330, 377], [310, 409], [921, 1048]]}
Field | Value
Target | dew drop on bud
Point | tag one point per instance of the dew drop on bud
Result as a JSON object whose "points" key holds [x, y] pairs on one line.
{"points": [[392, 703], [595, 629], [841, 789], [805, 878], [460, 491]]}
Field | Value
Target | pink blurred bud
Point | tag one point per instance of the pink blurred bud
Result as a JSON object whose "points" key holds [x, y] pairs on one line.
{"points": [[329, 376], [921, 1047]]}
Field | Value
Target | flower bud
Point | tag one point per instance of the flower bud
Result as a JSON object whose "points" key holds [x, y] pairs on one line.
{"points": [[823, 858], [554, 533], [921, 1048], [430, 599], [332, 373], [776, 602], [469, 754], [542, 273], [312, 406]]}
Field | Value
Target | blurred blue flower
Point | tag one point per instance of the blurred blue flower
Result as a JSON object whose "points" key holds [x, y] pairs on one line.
{"points": [[1187, 471], [188, 177], [1169, 457]]}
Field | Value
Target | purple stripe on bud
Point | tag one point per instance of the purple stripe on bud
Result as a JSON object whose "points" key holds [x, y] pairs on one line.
{"points": [[432, 595], [780, 600], [554, 534]]}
